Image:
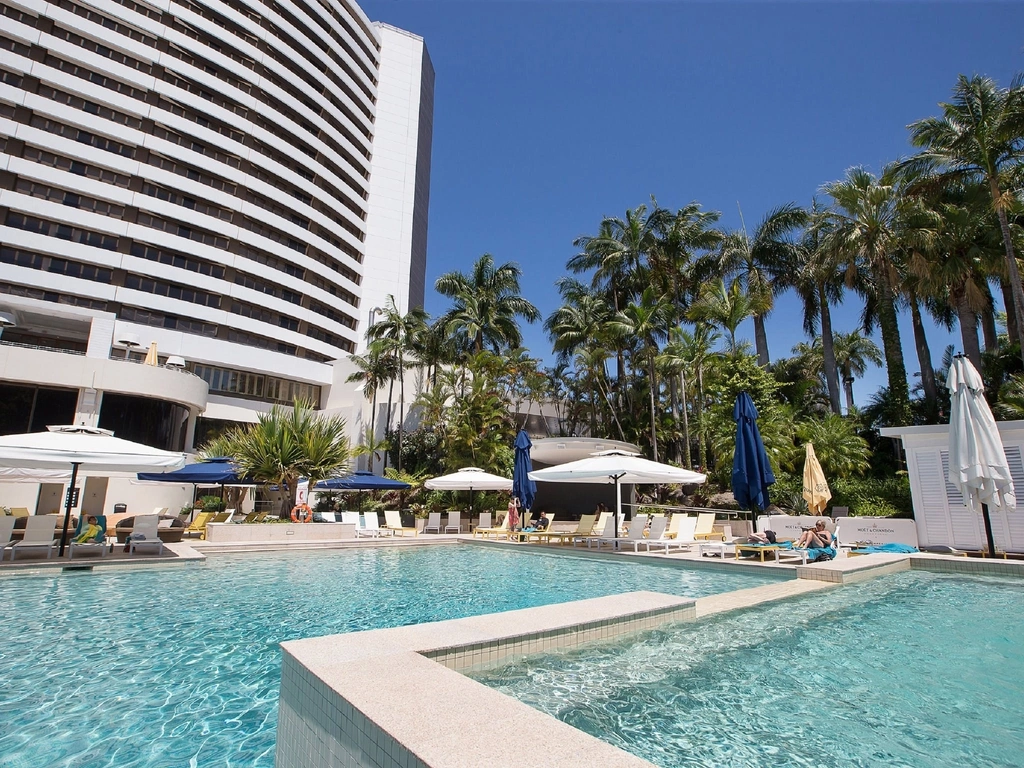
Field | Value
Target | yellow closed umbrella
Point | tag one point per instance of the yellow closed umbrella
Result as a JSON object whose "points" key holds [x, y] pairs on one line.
{"points": [[816, 492], [151, 358]]}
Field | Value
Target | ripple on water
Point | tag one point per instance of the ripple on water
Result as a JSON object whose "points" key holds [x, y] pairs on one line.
{"points": [[174, 667]]}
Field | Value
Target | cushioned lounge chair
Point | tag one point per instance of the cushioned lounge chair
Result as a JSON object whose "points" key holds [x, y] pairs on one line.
{"points": [[637, 528], [433, 523], [393, 522], [97, 543], [585, 527], [144, 535], [454, 524], [39, 534], [496, 531]]}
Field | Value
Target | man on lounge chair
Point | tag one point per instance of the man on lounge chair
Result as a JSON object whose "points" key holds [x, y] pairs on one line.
{"points": [[815, 538], [90, 532], [542, 522]]}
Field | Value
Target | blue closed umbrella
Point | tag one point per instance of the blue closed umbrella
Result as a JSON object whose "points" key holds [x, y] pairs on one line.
{"points": [[523, 488], [751, 472]]}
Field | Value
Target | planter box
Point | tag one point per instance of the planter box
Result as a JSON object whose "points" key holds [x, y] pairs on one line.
{"points": [[283, 533]]}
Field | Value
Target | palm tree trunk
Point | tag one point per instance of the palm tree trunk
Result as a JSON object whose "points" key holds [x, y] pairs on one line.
{"points": [[702, 456], [373, 426], [401, 405], [924, 357], [1011, 264], [828, 352], [988, 324], [896, 369], [761, 341], [1011, 315], [848, 387], [687, 459], [673, 395], [968, 328], [654, 422], [391, 399]]}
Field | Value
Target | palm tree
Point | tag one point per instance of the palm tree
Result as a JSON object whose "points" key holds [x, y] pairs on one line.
{"points": [[648, 321], [760, 261], [398, 334], [695, 351], [374, 368], [726, 307], [867, 230], [979, 136], [853, 353], [674, 258], [487, 305]]}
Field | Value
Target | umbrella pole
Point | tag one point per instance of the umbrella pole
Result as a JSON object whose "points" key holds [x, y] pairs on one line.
{"points": [[67, 507], [618, 505], [988, 530]]}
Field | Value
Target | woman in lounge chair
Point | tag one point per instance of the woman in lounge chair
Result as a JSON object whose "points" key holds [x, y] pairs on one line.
{"points": [[815, 538], [90, 532]]}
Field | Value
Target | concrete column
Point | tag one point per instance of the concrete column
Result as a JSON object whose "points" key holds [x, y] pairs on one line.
{"points": [[190, 430], [87, 411]]}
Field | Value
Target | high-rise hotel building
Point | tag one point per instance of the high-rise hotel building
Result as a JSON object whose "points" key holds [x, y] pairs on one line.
{"points": [[239, 182]]}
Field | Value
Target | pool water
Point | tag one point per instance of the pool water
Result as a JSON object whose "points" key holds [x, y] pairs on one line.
{"points": [[162, 667], [915, 669]]}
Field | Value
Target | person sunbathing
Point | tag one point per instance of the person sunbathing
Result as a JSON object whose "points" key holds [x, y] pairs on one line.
{"points": [[90, 532], [815, 538]]}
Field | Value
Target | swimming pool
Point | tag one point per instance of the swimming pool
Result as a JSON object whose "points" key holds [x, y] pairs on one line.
{"points": [[914, 669], [166, 667]]}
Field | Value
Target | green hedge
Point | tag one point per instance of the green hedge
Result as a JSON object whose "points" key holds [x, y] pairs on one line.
{"points": [[865, 496]]}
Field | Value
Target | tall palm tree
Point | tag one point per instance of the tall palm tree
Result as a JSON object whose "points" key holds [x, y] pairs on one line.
{"points": [[760, 262], [979, 136], [675, 257], [648, 320], [853, 353], [725, 307], [867, 230], [398, 334], [697, 350], [487, 304], [373, 369]]}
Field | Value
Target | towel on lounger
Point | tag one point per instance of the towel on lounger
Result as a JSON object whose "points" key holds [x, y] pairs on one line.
{"points": [[902, 549]]}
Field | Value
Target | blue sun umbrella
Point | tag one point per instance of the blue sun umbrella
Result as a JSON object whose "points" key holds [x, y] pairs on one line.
{"points": [[523, 487], [751, 471]]}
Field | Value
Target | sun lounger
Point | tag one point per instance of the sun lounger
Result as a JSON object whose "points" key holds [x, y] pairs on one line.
{"points": [[706, 527], [371, 527], [327, 517], [585, 527], [637, 529], [682, 538], [144, 534], [538, 536], [250, 518], [39, 534], [199, 524], [393, 522], [454, 524], [500, 530], [606, 532], [6, 534], [433, 523], [97, 544]]}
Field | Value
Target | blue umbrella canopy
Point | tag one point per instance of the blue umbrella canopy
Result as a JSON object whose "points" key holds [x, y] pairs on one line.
{"points": [[751, 472], [523, 487], [218, 471], [361, 481]]}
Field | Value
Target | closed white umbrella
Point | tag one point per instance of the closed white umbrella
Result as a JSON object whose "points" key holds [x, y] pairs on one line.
{"points": [[977, 462], [619, 467], [95, 449]]}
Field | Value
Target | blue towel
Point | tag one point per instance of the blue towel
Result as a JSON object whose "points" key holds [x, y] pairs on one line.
{"points": [[780, 545], [903, 549]]}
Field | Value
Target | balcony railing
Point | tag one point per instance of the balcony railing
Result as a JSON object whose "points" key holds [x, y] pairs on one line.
{"points": [[6, 343]]}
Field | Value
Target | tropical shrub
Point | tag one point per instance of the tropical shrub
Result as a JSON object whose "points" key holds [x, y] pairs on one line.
{"points": [[841, 451]]}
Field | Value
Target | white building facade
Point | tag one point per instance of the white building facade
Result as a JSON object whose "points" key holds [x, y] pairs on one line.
{"points": [[237, 182]]}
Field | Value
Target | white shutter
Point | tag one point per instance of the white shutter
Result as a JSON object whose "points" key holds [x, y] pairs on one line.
{"points": [[966, 527], [932, 514], [1008, 526]]}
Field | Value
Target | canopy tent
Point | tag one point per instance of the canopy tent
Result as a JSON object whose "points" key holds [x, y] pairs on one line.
{"points": [[751, 470], [470, 479], [977, 460], [361, 481], [77, 446], [619, 467], [218, 471]]}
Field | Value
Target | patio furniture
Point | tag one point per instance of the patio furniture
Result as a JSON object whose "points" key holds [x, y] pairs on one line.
{"points": [[171, 531], [496, 531], [433, 523], [97, 543], [39, 534], [454, 522], [584, 528], [199, 524], [371, 527], [144, 534], [637, 529], [393, 522], [6, 534]]}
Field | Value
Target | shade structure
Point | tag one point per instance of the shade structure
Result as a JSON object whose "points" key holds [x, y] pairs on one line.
{"points": [[361, 481], [523, 488], [751, 471], [151, 356], [77, 446], [470, 479], [816, 490], [977, 462], [617, 467], [218, 471]]}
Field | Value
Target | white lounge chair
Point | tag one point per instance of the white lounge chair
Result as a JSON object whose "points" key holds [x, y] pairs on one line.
{"points": [[684, 538], [393, 522], [6, 533], [706, 527], [497, 531], [484, 521], [606, 532], [637, 527], [433, 523], [327, 517], [585, 527], [454, 524], [352, 518], [146, 529], [97, 543], [371, 527], [39, 534]]}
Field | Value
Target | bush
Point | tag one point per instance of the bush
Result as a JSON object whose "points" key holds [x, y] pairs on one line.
{"points": [[211, 504], [866, 497]]}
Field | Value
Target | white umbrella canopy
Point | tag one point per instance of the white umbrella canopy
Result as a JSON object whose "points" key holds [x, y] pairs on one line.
{"points": [[619, 467], [95, 449], [469, 479], [977, 462]]}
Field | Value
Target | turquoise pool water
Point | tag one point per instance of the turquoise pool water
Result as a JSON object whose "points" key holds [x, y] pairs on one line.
{"points": [[168, 667], [914, 670]]}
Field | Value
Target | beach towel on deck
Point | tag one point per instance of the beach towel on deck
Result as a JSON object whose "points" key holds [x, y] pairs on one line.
{"points": [[902, 549]]}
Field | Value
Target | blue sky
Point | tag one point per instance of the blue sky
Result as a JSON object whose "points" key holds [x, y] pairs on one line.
{"points": [[551, 115]]}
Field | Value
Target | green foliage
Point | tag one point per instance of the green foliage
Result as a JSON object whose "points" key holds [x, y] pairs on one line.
{"points": [[421, 452], [866, 497], [210, 504], [840, 449]]}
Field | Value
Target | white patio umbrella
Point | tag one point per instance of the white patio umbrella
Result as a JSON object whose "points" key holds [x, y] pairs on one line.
{"points": [[93, 448], [977, 462], [619, 467], [469, 479]]}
